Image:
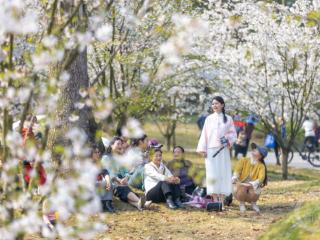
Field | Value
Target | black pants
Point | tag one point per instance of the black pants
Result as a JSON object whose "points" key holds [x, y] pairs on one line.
{"points": [[240, 149], [312, 140], [189, 189], [104, 204], [159, 192], [276, 152], [122, 192]]}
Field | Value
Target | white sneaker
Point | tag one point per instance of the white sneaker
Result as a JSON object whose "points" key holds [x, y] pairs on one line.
{"points": [[255, 207], [242, 207], [147, 204]]}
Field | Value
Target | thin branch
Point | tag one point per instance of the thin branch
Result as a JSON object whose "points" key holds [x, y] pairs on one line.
{"points": [[25, 111], [52, 18], [74, 13]]}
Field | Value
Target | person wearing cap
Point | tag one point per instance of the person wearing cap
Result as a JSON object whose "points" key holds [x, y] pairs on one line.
{"points": [[249, 177], [153, 143]]}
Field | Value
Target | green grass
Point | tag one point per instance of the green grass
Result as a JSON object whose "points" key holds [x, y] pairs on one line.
{"points": [[187, 134], [302, 223]]}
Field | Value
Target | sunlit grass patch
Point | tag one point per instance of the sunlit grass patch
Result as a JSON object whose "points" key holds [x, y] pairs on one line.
{"points": [[302, 223]]}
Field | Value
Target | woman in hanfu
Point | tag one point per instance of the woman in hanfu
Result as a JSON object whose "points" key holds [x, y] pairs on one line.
{"points": [[218, 131]]}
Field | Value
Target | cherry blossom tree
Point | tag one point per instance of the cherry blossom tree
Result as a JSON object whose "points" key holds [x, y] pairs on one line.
{"points": [[142, 60], [40, 45], [44, 71], [267, 61]]}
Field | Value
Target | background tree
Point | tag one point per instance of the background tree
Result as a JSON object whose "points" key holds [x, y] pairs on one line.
{"points": [[267, 56], [137, 64]]}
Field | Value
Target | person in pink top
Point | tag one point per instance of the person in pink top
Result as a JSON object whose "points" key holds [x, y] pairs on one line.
{"points": [[218, 131]]}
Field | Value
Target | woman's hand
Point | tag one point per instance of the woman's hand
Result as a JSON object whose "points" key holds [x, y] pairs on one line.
{"points": [[108, 183], [176, 180], [234, 180], [203, 154], [247, 185], [124, 181], [170, 179]]}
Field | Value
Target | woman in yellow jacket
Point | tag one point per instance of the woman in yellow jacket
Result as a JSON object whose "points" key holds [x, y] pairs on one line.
{"points": [[249, 177]]}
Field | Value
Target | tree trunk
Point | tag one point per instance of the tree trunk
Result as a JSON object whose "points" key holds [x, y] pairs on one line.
{"points": [[174, 140], [168, 141], [173, 129], [70, 95], [278, 158], [284, 160]]}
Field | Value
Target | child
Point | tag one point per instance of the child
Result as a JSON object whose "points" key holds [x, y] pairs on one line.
{"points": [[241, 144], [249, 177]]}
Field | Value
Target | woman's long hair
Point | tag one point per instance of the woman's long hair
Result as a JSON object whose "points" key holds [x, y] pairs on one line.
{"points": [[135, 141], [113, 140], [220, 100], [265, 181]]}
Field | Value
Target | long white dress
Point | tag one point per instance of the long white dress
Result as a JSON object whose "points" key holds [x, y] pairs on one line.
{"points": [[218, 169]]}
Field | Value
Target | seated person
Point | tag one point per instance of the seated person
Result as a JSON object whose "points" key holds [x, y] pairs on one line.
{"points": [[120, 187], [139, 149], [30, 131], [29, 166], [40, 177], [160, 184], [103, 182], [249, 177], [49, 215], [181, 168], [153, 143]]}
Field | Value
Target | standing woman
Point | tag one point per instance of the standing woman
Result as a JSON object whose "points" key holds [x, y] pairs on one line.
{"points": [[218, 169]]}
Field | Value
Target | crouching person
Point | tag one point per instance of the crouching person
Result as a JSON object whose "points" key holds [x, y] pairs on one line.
{"points": [[160, 184], [249, 177]]}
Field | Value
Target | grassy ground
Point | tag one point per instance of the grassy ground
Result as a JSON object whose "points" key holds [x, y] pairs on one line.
{"points": [[278, 199], [187, 134], [302, 223], [280, 202]]}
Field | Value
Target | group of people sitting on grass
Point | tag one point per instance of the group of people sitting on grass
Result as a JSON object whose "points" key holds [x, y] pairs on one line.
{"points": [[145, 171]]}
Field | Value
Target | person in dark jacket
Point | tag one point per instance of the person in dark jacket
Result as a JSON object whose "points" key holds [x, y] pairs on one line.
{"points": [[180, 167]]}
